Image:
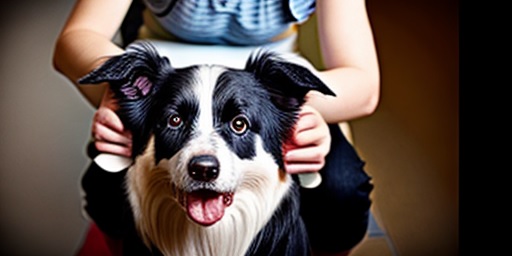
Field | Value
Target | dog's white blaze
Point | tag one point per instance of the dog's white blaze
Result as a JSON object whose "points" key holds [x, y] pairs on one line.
{"points": [[205, 140], [204, 87], [162, 220]]}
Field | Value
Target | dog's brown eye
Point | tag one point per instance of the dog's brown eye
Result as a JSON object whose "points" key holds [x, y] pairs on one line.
{"points": [[175, 121], [239, 124]]}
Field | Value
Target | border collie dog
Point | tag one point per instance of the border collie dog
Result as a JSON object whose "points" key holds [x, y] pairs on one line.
{"points": [[208, 175]]}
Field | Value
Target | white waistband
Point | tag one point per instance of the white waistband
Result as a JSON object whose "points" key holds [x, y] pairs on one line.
{"points": [[184, 54]]}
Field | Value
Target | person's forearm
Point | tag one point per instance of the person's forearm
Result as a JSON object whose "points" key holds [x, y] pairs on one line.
{"points": [[79, 52], [357, 94], [350, 61], [86, 41]]}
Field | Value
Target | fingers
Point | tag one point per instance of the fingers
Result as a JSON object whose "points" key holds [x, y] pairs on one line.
{"points": [[305, 155], [317, 135], [310, 144], [308, 119], [107, 147], [308, 159], [107, 117], [109, 133]]}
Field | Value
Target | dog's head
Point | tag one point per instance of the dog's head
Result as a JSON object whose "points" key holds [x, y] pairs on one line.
{"points": [[203, 123]]}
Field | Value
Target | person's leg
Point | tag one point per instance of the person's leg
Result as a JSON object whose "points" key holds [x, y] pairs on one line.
{"points": [[107, 205], [336, 212], [104, 196]]}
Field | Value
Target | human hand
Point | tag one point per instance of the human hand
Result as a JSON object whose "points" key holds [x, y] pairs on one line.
{"points": [[309, 145], [108, 131]]}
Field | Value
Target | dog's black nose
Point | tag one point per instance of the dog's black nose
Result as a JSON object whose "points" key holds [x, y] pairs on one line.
{"points": [[203, 168]]}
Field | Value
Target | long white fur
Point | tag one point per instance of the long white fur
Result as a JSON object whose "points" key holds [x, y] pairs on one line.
{"points": [[162, 221]]}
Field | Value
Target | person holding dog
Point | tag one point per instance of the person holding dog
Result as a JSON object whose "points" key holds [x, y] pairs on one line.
{"points": [[336, 212]]}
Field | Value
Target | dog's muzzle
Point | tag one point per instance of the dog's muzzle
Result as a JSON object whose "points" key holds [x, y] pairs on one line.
{"points": [[205, 206]]}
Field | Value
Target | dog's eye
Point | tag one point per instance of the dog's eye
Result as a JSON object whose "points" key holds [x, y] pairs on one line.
{"points": [[239, 124], [175, 121]]}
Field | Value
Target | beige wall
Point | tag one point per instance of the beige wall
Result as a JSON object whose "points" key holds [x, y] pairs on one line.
{"points": [[411, 143]]}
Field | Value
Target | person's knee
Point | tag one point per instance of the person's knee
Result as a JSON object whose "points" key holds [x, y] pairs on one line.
{"points": [[336, 212]]}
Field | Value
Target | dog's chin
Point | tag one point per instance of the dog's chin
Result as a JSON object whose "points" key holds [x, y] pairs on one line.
{"points": [[204, 206]]}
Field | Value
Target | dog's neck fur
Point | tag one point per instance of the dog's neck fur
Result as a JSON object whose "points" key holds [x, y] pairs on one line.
{"points": [[162, 221]]}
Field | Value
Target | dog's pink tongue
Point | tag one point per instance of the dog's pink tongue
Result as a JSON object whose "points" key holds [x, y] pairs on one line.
{"points": [[205, 207]]}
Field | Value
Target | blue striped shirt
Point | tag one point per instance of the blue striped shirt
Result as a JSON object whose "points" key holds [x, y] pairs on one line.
{"points": [[235, 22]]}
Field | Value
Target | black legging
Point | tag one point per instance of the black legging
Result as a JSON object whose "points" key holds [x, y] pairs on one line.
{"points": [[336, 212]]}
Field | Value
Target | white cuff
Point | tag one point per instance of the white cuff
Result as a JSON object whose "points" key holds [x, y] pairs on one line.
{"points": [[310, 179], [112, 163]]}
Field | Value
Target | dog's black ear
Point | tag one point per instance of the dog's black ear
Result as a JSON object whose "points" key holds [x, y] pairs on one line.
{"points": [[288, 83], [134, 78], [131, 75]]}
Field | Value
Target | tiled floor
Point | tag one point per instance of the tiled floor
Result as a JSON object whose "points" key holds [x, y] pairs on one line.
{"points": [[376, 242]]}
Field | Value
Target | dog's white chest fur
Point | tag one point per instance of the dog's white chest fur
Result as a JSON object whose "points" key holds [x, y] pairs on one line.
{"points": [[162, 220]]}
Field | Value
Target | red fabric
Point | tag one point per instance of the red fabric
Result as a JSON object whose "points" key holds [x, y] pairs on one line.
{"points": [[98, 244]]}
